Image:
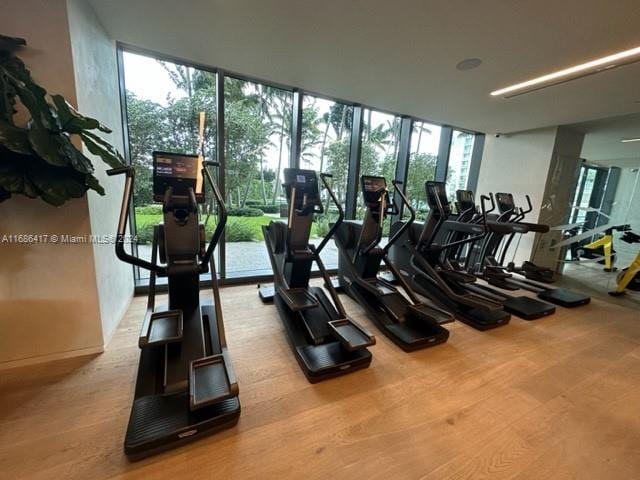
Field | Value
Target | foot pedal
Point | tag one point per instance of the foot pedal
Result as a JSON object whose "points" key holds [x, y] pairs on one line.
{"points": [[388, 277], [209, 382], [298, 299], [350, 334], [430, 314], [266, 292], [160, 328], [335, 283]]}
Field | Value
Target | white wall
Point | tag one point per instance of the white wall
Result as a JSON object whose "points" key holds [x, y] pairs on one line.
{"points": [[48, 295], [518, 164], [63, 300], [96, 76]]}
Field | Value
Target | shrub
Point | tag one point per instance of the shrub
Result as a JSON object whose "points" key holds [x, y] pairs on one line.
{"points": [[322, 227], [270, 208], [144, 233], [154, 209], [238, 230], [245, 212]]}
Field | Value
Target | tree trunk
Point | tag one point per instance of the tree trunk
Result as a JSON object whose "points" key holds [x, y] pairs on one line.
{"points": [[246, 194], [343, 122], [263, 187], [324, 142], [277, 184]]}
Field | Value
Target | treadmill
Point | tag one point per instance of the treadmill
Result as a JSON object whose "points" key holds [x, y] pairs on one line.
{"points": [[326, 342], [397, 311]]}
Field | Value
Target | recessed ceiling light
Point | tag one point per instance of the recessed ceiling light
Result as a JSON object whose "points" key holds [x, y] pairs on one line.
{"points": [[628, 140], [594, 66], [468, 64]]}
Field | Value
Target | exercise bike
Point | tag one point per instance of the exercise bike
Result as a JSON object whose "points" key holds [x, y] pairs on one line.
{"points": [[325, 341], [629, 278], [407, 321], [186, 387]]}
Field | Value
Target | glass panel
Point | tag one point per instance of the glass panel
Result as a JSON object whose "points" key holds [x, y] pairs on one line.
{"points": [[423, 159], [326, 140], [257, 141], [459, 161], [380, 142], [164, 101]]}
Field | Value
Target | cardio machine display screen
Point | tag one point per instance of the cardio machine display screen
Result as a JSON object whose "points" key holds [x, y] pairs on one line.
{"points": [[373, 184], [465, 199], [436, 194], [179, 171]]}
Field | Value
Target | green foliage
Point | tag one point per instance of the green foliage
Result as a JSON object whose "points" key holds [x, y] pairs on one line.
{"points": [[322, 226], [238, 230], [270, 208], [153, 209], [422, 167], [245, 212], [40, 160]]}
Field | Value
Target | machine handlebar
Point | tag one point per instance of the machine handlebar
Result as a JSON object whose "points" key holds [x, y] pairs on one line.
{"points": [[122, 223], [222, 214], [336, 225], [407, 225]]}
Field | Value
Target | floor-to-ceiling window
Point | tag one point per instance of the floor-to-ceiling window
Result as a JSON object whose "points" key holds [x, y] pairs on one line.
{"points": [[167, 100], [423, 160], [257, 131], [459, 162], [326, 140], [164, 103], [379, 152]]}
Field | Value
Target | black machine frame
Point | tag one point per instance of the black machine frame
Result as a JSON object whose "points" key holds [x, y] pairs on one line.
{"points": [[185, 386]]}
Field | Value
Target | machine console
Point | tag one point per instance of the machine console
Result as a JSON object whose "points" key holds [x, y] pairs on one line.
{"points": [[306, 184], [437, 196], [373, 189], [179, 171], [465, 200], [505, 202]]}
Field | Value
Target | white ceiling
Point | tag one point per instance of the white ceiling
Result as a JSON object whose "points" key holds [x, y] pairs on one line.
{"points": [[400, 55], [602, 141]]}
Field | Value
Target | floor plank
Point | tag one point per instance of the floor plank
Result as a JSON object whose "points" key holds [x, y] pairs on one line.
{"points": [[553, 398]]}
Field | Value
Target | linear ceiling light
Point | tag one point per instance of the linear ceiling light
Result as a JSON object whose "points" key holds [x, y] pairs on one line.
{"points": [[627, 140], [571, 73]]}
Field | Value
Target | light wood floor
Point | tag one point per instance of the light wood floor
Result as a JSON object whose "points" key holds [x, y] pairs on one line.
{"points": [[557, 398]]}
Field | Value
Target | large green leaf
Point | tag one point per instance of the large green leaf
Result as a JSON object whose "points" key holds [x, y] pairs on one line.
{"points": [[10, 44], [13, 168], [103, 149], [93, 183], [7, 100], [72, 121], [14, 138], [47, 145], [30, 93], [57, 184], [76, 158]]}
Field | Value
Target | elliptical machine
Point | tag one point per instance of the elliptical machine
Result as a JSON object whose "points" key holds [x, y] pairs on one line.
{"points": [[421, 255], [407, 321], [186, 387], [325, 341]]}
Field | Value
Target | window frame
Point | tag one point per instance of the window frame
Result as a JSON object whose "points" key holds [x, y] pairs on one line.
{"points": [[402, 160]]}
